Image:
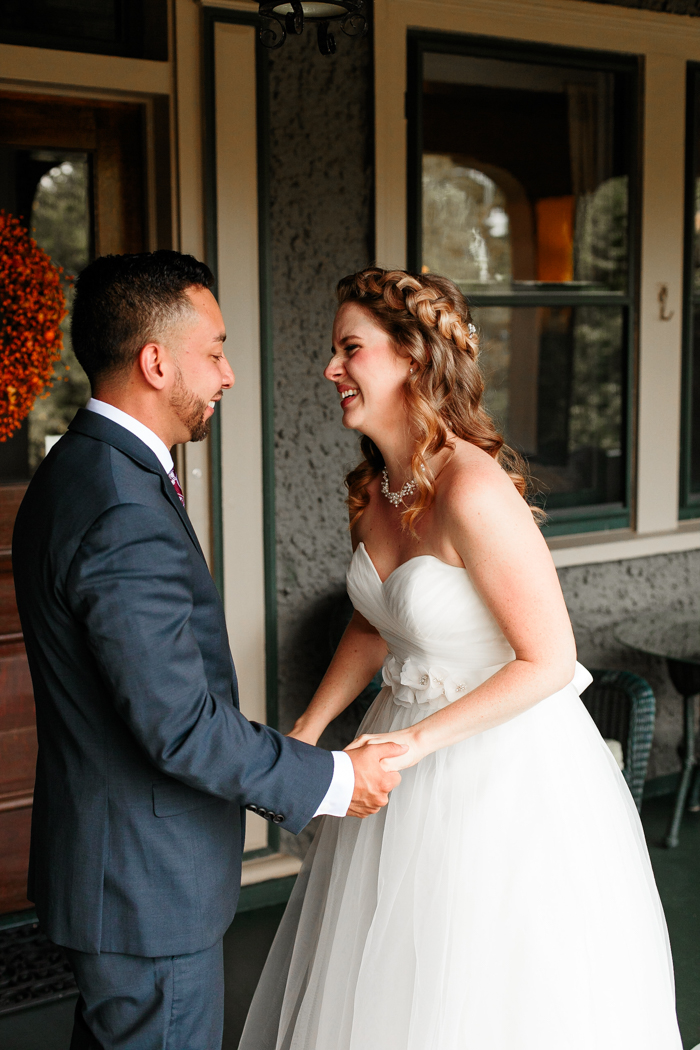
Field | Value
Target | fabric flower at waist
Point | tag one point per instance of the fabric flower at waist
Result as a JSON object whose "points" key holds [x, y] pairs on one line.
{"points": [[414, 683]]}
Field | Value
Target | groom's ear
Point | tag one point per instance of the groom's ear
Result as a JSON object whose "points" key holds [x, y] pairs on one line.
{"points": [[155, 365]]}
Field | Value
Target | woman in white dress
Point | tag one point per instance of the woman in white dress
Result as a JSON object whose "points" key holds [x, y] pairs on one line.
{"points": [[504, 899]]}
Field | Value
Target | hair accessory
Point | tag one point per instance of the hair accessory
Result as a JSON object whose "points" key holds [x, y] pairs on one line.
{"points": [[471, 328], [396, 497]]}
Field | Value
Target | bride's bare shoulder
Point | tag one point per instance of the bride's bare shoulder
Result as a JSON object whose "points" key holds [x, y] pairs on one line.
{"points": [[475, 484]]}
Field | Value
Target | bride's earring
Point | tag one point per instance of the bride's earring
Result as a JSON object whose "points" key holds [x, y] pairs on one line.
{"points": [[410, 371]]}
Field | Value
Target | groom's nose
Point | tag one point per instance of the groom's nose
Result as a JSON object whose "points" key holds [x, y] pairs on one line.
{"points": [[227, 376]]}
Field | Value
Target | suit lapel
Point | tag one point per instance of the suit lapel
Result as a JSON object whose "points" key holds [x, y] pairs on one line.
{"points": [[103, 429]]}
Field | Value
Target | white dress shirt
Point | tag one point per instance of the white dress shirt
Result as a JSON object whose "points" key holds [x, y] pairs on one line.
{"points": [[337, 799]]}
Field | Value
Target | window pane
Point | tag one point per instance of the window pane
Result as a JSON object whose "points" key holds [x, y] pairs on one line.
{"points": [[524, 174], [554, 383], [49, 189]]}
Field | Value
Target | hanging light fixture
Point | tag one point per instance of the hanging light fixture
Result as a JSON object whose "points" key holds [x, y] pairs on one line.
{"points": [[279, 19]]}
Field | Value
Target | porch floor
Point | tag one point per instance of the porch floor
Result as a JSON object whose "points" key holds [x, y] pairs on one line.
{"points": [[247, 942]]}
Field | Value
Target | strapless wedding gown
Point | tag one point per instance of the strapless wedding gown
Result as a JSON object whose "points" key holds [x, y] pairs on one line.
{"points": [[503, 900]]}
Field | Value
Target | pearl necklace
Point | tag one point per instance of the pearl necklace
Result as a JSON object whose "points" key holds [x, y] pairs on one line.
{"points": [[396, 497]]}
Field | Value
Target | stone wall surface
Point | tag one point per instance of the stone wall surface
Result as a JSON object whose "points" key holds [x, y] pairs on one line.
{"points": [[321, 219], [598, 596]]}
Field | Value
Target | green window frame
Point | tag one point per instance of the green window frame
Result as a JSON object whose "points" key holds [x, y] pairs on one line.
{"points": [[572, 519], [689, 491]]}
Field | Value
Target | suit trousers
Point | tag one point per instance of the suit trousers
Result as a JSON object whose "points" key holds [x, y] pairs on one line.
{"points": [[172, 1002]]}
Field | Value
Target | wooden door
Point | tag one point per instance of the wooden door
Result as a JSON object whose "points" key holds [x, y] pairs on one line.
{"points": [[72, 169]]}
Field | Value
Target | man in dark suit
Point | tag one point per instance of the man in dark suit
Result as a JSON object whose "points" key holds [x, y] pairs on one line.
{"points": [[146, 765]]}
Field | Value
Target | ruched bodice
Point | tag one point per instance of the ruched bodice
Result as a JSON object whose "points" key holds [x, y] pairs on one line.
{"points": [[428, 610], [442, 638]]}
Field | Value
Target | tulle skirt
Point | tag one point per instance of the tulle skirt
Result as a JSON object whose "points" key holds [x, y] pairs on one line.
{"points": [[503, 900]]}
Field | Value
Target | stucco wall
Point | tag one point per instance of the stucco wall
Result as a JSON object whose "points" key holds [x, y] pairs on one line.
{"points": [[321, 174], [599, 596]]}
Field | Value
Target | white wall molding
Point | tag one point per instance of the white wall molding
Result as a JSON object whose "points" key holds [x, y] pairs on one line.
{"points": [[249, 6], [597, 547], [274, 866], [43, 67], [241, 408]]}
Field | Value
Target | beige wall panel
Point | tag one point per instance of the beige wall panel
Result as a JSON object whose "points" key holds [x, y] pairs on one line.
{"points": [[189, 212], [660, 352], [42, 66], [236, 173]]}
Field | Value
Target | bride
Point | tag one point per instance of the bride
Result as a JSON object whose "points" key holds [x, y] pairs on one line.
{"points": [[504, 899]]}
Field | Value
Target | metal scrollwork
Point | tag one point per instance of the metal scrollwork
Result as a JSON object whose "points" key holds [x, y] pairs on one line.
{"points": [[294, 19], [326, 40], [355, 25], [272, 34], [279, 20]]}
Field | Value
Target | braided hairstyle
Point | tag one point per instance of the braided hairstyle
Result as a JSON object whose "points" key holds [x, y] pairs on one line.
{"points": [[427, 319]]}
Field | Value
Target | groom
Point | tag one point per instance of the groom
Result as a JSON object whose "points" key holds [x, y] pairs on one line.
{"points": [[146, 765]]}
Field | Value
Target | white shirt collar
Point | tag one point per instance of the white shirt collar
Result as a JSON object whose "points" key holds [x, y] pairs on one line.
{"points": [[138, 429]]}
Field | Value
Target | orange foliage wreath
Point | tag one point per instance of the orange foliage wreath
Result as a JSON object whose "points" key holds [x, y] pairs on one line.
{"points": [[32, 306]]}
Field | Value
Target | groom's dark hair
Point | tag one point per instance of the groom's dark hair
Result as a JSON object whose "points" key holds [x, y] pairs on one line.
{"points": [[123, 301]]}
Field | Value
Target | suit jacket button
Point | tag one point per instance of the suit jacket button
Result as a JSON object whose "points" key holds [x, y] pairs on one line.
{"points": [[262, 812], [278, 818], [252, 808]]}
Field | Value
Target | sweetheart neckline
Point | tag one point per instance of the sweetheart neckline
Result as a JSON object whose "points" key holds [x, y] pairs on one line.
{"points": [[416, 557]]}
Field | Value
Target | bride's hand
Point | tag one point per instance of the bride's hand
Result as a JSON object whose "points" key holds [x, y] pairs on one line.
{"points": [[407, 737]]}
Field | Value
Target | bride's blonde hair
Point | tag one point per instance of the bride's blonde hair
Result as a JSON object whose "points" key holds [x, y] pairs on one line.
{"points": [[427, 319]]}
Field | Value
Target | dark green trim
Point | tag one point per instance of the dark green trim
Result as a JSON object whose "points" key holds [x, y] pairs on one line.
{"points": [[265, 894], [582, 523], [267, 379], [216, 500], [18, 918], [522, 51], [210, 16], [414, 151], [689, 503], [579, 519]]}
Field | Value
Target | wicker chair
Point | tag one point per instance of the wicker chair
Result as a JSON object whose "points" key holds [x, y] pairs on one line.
{"points": [[623, 707]]}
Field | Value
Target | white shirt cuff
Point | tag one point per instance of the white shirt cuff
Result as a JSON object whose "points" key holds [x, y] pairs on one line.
{"points": [[339, 795]]}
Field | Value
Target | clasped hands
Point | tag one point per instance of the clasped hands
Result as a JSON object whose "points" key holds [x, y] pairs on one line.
{"points": [[377, 759]]}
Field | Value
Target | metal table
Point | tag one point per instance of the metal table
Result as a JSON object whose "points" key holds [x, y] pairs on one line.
{"points": [[677, 640]]}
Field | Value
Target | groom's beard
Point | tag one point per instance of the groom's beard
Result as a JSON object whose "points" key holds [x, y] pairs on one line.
{"points": [[190, 410]]}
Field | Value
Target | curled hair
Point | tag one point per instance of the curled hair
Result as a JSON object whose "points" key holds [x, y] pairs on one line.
{"points": [[428, 320]]}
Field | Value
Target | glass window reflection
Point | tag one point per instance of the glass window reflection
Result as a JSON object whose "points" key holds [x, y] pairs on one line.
{"points": [[50, 191], [555, 384], [525, 172]]}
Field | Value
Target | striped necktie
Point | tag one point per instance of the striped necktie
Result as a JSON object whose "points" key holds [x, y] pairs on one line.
{"points": [[176, 485]]}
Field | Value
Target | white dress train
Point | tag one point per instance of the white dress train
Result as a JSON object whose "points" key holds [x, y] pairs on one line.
{"points": [[503, 900]]}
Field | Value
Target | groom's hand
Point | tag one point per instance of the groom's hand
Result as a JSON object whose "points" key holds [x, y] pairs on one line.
{"points": [[372, 782]]}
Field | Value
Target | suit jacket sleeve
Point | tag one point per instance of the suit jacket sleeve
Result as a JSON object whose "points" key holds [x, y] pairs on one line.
{"points": [[129, 586]]}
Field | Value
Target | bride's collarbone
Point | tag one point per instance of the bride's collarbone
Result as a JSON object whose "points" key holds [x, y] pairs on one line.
{"points": [[389, 544], [388, 551]]}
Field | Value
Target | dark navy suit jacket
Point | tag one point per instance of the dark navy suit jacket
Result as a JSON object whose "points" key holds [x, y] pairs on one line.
{"points": [[145, 762]]}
